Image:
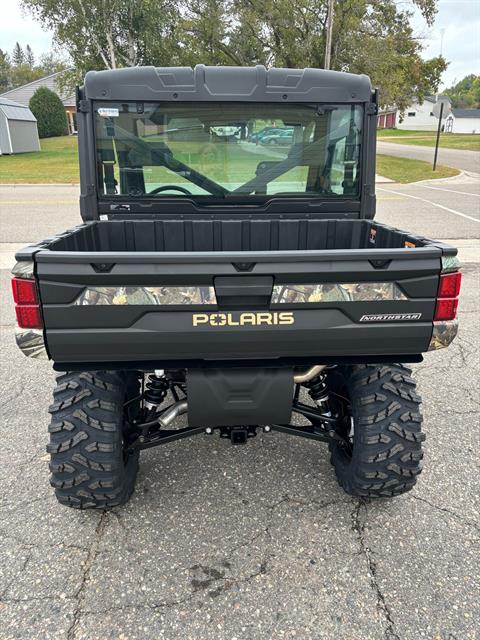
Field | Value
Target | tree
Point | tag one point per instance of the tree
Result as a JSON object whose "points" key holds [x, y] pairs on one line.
{"points": [[110, 33], [29, 57], [18, 57], [369, 36], [48, 109], [466, 93], [4, 71]]}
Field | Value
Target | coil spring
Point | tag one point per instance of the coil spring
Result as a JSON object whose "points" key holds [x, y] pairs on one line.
{"points": [[156, 389], [318, 389]]}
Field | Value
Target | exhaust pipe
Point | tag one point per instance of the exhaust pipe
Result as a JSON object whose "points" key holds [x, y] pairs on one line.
{"points": [[173, 412], [305, 376]]}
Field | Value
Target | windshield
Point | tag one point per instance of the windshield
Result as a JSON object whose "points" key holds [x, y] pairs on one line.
{"points": [[227, 150]]}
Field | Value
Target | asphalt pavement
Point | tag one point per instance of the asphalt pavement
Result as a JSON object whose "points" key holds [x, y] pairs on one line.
{"points": [[458, 158], [255, 542]]}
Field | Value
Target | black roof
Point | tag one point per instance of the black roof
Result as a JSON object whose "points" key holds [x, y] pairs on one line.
{"points": [[466, 113], [241, 84]]}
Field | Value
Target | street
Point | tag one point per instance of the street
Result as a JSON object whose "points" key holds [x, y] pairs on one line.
{"points": [[464, 160], [255, 542]]}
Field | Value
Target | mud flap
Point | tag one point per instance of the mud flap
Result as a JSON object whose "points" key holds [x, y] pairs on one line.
{"points": [[239, 396]]}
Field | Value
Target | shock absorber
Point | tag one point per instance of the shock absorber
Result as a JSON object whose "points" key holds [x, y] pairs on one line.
{"points": [[156, 389], [318, 391]]}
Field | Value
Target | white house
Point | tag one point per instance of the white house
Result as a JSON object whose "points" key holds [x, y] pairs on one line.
{"points": [[463, 121], [420, 117]]}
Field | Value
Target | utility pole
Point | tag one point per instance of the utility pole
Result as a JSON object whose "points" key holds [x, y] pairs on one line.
{"points": [[328, 46], [442, 34], [439, 128]]}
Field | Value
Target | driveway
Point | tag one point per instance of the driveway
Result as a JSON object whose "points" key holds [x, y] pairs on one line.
{"points": [[255, 542], [464, 160]]}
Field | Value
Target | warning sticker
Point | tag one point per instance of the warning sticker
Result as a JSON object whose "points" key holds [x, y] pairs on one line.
{"points": [[108, 112]]}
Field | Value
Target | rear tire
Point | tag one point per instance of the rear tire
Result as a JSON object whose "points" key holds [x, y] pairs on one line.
{"points": [[385, 455], [90, 469]]}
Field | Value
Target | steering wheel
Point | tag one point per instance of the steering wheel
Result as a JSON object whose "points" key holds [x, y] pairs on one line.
{"points": [[168, 187]]}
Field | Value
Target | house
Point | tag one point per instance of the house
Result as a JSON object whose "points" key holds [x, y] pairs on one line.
{"points": [[463, 121], [18, 128], [387, 118], [419, 117], [24, 93]]}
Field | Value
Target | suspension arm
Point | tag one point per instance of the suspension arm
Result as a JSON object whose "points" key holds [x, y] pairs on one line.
{"points": [[304, 432], [163, 436]]}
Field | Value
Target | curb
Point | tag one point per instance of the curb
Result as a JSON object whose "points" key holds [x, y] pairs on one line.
{"points": [[39, 184]]}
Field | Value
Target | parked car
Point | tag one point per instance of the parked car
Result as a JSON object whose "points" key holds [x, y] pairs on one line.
{"points": [[278, 137], [258, 135]]}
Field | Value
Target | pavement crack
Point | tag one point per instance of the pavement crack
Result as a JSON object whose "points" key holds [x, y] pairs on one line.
{"points": [[459, 517], [358, 527], [79, 596], [22, 569]]}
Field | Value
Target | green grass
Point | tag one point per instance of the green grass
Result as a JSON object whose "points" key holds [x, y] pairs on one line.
{"points": [[393, 133], [465, 141], [405, 170], [56, 162]]}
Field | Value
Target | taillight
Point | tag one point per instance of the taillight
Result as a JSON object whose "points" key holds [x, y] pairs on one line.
{"points": [[449, 285], [446, 309], [27, 303], [447, 296], [24, 291]]}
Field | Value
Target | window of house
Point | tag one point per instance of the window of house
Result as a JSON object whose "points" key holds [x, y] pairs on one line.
{"points": [[411, 114]]}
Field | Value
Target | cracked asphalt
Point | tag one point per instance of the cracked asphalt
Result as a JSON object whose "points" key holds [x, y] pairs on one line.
{"points": [[254, 542]]}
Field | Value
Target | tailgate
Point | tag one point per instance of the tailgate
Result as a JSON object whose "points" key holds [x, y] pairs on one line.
{"points": [[156, 307]]}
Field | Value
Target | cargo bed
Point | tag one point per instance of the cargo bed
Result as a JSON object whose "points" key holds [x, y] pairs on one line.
{"points": [[232, 235], [110, 291]]}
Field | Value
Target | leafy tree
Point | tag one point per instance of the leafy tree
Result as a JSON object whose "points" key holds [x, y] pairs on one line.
{"points": [[4, 71], [110, 33], [29, 57], [18, 57], [369, 36], [466, 93], [48, 109]]}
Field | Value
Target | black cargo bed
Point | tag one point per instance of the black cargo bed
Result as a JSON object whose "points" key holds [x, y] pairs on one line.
{"points": [[233, 235]]}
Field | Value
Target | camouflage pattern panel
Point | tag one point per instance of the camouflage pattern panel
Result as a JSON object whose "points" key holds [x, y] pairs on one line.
{"points": [[146, 296], [346, 292]]}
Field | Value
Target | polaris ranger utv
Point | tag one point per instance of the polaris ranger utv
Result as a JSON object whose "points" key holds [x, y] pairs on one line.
{"points": [[241, 283]]}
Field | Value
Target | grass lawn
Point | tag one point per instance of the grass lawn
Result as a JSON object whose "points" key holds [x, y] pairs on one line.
{"points": [[406, 170], [466, 141], [56, 162]]}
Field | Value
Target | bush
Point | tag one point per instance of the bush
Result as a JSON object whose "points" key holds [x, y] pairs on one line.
{"points": [[49, 111]]}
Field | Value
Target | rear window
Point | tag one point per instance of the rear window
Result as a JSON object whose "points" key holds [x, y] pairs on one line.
{"points": [[227, 150]]}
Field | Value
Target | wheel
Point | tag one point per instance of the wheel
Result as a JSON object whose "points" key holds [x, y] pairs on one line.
{"points": [[89, 465], [383, 455]]}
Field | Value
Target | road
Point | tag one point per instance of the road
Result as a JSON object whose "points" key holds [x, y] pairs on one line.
{"points": [[457, 158], [254, 542]]}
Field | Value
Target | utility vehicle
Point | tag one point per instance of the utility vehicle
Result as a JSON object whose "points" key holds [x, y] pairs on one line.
{"points": [[245, 287]]}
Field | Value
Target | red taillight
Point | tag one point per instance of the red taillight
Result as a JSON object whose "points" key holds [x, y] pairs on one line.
{"points": [[28, 316], [24, 291], [27, 303], [449, 285], [447, 300], [446, 309]]}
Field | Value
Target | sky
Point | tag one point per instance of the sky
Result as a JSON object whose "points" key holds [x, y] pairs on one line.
{"points": [[460, 20]]}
